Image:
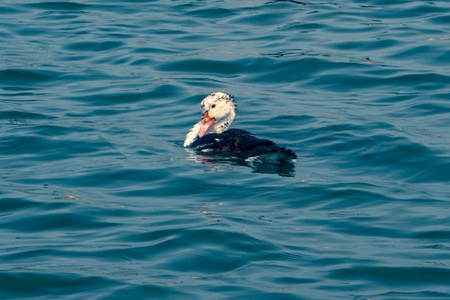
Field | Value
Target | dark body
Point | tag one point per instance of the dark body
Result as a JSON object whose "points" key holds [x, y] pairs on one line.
{"points": [[242, 144]]}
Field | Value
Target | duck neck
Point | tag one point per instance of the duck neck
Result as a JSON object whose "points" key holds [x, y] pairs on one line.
{"points": [[222, 124], [218, 127]]}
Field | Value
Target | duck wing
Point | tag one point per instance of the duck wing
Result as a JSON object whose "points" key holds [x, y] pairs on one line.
{"points": [[242, 144], [267, 151]]}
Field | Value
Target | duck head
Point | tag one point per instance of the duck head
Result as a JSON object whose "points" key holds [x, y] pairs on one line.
{"points": [[218, 111]]}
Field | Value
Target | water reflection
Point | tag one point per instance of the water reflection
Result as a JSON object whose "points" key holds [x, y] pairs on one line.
{"points": [[220, 163]]}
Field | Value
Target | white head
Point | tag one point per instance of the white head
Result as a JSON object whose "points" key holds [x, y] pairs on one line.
{"points": [[217, 115]]}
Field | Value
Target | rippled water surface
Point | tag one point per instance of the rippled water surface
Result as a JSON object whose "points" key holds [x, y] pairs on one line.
{"points": [[99, 199]]}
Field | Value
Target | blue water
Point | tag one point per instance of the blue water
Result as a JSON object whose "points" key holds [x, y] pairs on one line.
{"points": [[100, 200]]}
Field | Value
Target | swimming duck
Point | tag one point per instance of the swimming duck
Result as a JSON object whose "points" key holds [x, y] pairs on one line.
{"points": [[211, 134]]}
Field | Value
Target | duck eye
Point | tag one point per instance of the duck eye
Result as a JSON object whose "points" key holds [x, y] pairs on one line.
{"points": [[212, 106]]}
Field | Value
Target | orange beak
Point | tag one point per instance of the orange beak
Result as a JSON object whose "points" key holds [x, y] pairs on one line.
{"points": [[206, 123]]}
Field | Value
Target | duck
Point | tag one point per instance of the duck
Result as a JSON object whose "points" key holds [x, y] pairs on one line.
{"points": [[211, 135]]}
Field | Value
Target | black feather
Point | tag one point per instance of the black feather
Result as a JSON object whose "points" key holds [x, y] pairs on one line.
{"points": [[241, 144]]}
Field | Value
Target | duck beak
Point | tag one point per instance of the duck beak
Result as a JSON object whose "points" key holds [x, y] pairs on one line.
{"points": [[205, 124]]}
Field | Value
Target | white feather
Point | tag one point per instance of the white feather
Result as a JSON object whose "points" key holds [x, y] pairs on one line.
{"points": [[219, 106]]}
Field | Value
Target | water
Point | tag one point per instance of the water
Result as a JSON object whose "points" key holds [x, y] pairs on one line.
{"points": [[100, 200]]}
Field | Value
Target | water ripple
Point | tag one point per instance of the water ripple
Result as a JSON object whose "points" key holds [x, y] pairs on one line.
{"points": [[99, 199]]}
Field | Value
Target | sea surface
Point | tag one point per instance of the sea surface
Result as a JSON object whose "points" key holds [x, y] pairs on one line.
{"points": [[99, 199]]}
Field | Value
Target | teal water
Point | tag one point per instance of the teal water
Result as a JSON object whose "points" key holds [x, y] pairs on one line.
{"points": [[98, 198]]}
